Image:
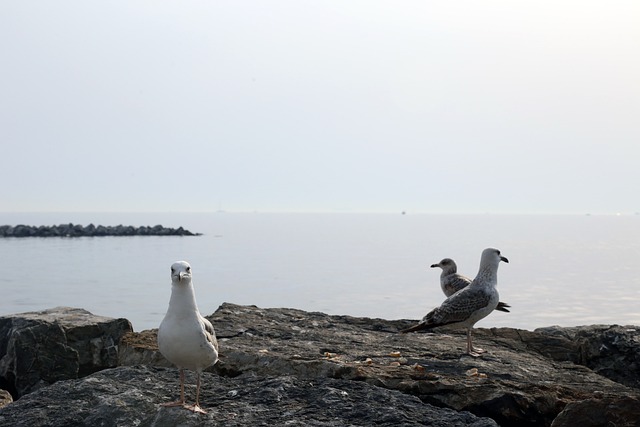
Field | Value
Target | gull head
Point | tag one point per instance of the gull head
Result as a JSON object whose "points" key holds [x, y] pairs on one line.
{"points": [[492, 256], [180, 271], [447, 265]]}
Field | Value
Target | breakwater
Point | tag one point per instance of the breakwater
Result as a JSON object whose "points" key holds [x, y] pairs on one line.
{"points": [[78, 230]]}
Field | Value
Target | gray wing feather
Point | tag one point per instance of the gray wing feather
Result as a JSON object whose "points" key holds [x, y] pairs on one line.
{"points": [[458, 307], [454, 283], [209, 332]]}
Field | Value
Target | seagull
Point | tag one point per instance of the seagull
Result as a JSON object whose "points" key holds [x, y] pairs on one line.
{"points": [[472, 303], [185, 338], [451, 281]]}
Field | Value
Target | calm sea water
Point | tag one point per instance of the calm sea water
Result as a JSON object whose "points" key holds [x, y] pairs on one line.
{"points": [[563, 270]]}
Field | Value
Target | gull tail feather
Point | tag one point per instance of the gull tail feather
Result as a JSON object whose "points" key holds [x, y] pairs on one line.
{"points": [[502, 306], [419, 327]]}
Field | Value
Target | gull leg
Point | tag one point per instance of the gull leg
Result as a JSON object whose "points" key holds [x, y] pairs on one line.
{"points": [[196, 408], [181, 401], [471, 350]]}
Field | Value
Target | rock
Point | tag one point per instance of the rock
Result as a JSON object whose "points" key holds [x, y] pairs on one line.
{"points": [[554, 347], [40, 348], [18, 231], [77, 230], [600, 412], [285, 366], [100, 231], [526, 379], [611, 351], [128, 396], [141, 348]]}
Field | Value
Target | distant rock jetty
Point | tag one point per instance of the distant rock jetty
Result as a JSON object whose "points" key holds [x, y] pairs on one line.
{"points": [[77, 230]]}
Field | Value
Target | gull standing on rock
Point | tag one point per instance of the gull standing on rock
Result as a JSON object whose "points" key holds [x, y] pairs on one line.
{"points": [[451, 281], [185, 338], [472, 303]]}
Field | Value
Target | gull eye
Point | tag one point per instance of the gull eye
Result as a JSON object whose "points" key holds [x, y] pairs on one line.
{"points": [[188, 269], [173, 270]]}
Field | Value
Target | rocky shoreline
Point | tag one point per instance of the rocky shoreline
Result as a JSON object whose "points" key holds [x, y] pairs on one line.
{"points": [[281, 366], [77, 230]]}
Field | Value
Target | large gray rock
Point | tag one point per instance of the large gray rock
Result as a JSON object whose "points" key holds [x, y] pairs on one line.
{"points": [[131, 396], [598, 412], [40, 348], [525, 379], [286, 366], [610, 350]]}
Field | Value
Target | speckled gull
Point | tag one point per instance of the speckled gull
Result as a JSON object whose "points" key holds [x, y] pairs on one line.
{"points": [[185, 338], [451, 281], [469, 305]]}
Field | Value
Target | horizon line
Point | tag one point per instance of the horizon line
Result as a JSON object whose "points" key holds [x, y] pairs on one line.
{"points": [[356, 212]]}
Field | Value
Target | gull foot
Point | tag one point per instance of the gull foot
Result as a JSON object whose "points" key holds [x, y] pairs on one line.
{"points": [[195, 408]]}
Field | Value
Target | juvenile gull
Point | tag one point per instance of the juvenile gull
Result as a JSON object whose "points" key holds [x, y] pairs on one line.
{"points": [[451, 281], [185, 338], [472, 303]]}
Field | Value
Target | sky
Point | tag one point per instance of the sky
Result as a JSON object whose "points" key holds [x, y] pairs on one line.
{"points": [[324, 106]]}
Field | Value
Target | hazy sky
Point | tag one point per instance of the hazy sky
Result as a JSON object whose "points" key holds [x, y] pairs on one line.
{"points": [[447, 106]]}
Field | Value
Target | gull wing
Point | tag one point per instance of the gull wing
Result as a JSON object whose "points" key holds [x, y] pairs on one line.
{"points": [[454, 283], [209, 332], [458, 307]]}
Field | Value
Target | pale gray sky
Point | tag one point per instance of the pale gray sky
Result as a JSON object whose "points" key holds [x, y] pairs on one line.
{"points": [[447, 106]]}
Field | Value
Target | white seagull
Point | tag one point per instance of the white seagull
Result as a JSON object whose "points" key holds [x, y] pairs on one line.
{"points": [[185, 338], [472, 303], [451, 281]]}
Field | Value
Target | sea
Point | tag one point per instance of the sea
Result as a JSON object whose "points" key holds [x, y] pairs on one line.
{"points": [[566, 270]]}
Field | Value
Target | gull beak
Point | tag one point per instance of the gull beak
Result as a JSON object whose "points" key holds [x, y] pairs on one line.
{"points": [[180, 276], [435, 265], [504, 259]]}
